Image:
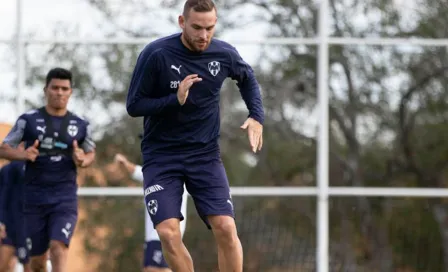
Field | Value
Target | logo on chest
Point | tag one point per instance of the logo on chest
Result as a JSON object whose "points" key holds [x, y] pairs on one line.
{"points": [[41, 129], [214, 67], [176, 68], [72, 130]]}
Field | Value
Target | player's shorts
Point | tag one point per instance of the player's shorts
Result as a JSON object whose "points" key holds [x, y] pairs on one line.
{"points": [[50, 222], [16, 234], [153, 255], [205, 179]]}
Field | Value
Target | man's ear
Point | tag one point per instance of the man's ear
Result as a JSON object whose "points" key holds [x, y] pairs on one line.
{"points": [[181, 21]]}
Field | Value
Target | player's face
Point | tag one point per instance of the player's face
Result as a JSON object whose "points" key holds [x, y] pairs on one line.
{"points": [[57, 93], [198, 29]]}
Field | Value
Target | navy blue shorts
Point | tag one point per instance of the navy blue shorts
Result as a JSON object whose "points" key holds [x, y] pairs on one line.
{"points": [[50, 222], [16, 234], [204, 177], [153, 255]]}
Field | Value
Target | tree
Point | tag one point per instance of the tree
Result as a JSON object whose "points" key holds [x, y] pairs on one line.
{"points": [[387, 126]]}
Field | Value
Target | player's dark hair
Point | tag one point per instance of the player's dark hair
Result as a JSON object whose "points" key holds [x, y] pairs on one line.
{"points": [[198, 6], [58, 73]]}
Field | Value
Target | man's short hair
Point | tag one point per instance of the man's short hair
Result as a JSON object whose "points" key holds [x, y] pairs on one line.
{"points": [[198, 6], [58, 73]]}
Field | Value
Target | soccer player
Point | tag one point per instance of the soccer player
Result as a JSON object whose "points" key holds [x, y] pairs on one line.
{"points": [[57, 142], [15, 243], [176, 88], [153, 260]]}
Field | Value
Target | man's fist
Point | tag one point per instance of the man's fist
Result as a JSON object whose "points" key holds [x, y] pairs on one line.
{"points": [[120, 158], [78, 154], [32, 152]]}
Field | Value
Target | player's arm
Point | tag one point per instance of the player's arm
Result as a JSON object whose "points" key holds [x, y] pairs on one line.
{"points": [[250, 92], [142, 87], [133, 169], [9, 149], [248, 86]]}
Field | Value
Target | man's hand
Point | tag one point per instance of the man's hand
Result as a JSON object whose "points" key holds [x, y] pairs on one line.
{"points": [[255, 133], [31, 152], [121, 159], [184, 87], [2, 230], [78, 154]]}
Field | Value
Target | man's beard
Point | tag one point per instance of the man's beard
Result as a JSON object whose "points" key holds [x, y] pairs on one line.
{"points": [[192, 45]]}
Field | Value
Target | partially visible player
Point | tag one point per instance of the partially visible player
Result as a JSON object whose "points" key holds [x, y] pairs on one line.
{"points": [[15, 242], [57, 142], [153, 260]]}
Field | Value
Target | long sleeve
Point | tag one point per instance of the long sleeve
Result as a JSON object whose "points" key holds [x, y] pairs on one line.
{"points": [[138, 174], [248, 85], [141, 99]]}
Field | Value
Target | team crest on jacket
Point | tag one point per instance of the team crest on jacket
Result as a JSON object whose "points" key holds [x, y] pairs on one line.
{"points": [[72, 130], [214, 67]]}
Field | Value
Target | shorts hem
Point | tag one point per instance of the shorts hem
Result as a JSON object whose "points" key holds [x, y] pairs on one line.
{"points": [[6, 242], [156, 222], [205, 219], [38, 253], [67, 244]]}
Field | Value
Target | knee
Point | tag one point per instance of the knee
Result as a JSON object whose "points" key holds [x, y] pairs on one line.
{"points": [[57, 249], [38, 264], [169, 231], [12, 264], [223, 227], [6, 260]]}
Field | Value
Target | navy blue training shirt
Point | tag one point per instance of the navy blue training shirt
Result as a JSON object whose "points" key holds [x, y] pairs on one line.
{"points": [[161, 66], [51, 178]]}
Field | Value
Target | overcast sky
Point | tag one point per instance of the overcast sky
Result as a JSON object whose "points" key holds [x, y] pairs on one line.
{"points": [[41, 17]]}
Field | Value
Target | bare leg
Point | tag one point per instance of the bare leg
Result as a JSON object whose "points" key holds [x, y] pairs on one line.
{"points": [[27, 268], [230, 251], [174, 250], [6, 256], [58, 256], [39, 263]]}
